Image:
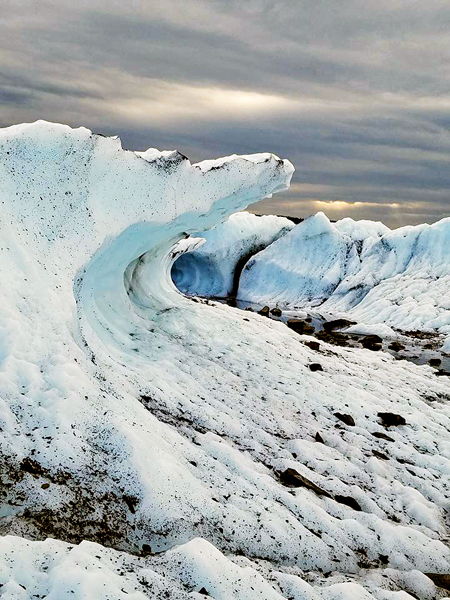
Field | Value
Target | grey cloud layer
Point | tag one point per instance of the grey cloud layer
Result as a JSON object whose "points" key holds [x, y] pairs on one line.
{"points": [[355, 93]]}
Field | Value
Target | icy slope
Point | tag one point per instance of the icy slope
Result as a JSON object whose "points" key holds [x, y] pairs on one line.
{"points": [[134, 417], [400, 278], [212, 270]]}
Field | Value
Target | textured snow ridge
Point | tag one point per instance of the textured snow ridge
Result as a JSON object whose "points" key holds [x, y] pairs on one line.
{"points": [[212, 270], [400, 278], [56, 570], [135, 418]]}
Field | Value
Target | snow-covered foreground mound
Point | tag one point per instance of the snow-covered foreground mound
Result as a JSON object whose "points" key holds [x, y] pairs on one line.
{"points": [[148, 423], [400, 277], [213, 269]]}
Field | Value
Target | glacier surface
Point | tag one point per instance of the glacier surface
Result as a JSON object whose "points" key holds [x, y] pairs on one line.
{"points": [[146, 433], [376, 276]]}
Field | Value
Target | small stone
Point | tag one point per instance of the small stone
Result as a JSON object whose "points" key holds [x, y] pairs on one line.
{"points": [[291, 478], [337, 324], [396, 346], [264, 311], [371, 342], [380, 455], [313, 345], [319, 438], [382, 436], [45, 486], [276, 312], [315, 367], [249, 308], [441, 580], [391, 419], [146, 549], [300, 326], [442, 373], [348, 501], [347, 419], [204, 592], [434, 362]]}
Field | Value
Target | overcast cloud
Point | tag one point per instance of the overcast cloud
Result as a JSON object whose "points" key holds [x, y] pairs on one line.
{"points": [[354, 92]]}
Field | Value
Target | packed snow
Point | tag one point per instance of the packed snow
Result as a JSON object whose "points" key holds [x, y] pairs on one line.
{"points": [[212, 269], [375, 276], [148, 433]]}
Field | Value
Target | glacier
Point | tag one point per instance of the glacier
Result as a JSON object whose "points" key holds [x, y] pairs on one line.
{"points": [[143, 434], [360, 269], [213, 267]]}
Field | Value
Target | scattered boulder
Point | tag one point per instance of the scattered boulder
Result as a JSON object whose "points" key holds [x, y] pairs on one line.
{"points": [[315, 367], [319, 438], [313, 345], [204, 592], [378, 454], [329, 326], [347, 419], [391, 419], [442, 373], [434, 362], [337, 339], [249, 308], [382, 436], [29, 465], [300, 326], [276, 312], [371, 342], [441, 580], [396, 346], [348, 501], [291, 478], [264, 311]]}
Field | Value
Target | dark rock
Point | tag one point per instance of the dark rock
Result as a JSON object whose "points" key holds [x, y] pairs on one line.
{"points": [[315, 367], [382, 436], [319, 438], [264, 311], [131, 502], [29, 465], [391, 419], [380, 455], [442, 373], [347, 419], [45, 486], [396, 346], [146, 549], [337, 339], [204, 592], [348, 501], [300, 326], [313, 345], [291, 478], [276, 312], [328, 326], [371, 342], [249, 308], [434, 362], [441, 580]]}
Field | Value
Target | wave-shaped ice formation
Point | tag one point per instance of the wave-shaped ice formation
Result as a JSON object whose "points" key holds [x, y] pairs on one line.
{"points": [[137, 419], [375, 275], [213, 268]]}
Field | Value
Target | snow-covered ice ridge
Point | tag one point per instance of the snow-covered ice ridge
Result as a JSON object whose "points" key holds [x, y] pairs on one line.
{"points": [[212, 269], [144, 432], [400, 278]]}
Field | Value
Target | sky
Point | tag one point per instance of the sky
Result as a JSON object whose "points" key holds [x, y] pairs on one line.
{"points": [[354, 92]]}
